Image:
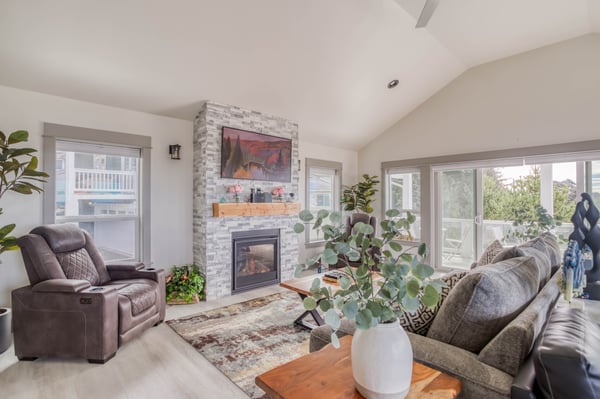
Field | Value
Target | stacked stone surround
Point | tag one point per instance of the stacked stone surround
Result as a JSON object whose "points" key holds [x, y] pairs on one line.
{"points": [[212, 235]]}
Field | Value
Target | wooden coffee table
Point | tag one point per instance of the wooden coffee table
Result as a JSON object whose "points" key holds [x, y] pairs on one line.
{"points": [[328, 374], [302, 286]]}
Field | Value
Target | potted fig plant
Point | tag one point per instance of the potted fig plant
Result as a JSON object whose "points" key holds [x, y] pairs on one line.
{"points": [[19, 174], [389, 280], [185, 284], [359, 197]]}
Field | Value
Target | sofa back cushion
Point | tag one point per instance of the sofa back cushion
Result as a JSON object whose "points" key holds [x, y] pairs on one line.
{"points": [[507, 350], [484, 302], [537, 249], [78, 265]]}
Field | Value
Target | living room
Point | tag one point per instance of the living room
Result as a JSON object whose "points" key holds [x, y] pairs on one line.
{"points": [[483, 80]]}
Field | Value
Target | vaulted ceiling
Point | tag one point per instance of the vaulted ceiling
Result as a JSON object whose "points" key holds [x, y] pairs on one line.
{"points": [[322, 63]]}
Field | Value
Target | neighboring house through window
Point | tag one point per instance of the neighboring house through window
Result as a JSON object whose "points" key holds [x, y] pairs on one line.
{"points": [[101, 183], [323, 185]]}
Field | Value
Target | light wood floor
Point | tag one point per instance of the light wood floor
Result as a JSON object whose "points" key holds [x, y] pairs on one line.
{"points": [[159, 364]]}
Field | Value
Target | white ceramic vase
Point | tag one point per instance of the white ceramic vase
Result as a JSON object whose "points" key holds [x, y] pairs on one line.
{"points": [[382, 362]]}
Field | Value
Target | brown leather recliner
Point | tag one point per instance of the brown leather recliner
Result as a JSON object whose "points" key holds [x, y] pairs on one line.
{"points": [[76, 306]]}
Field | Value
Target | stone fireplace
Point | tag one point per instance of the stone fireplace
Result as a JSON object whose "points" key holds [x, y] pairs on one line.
{"points": [[213, 237]]}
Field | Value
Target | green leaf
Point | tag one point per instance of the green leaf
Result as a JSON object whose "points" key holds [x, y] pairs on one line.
{"points": [[335, 341], [345, 282], [350, 309], [364, 319], [423, 271], [422, 249], [410, 218], [18, 137], [305, 215], [412, 287], [410, 304], [430, 296], [325, 305], [322, 214], [392, 213], [329, 257], [298, 228], [335, 217], [342, 248], [318, 222], [2, 137], [21, 188], [364, 228], [395, 246], [315, 287], [332, 319], [309, 303], [375, 308], [6, 230]]}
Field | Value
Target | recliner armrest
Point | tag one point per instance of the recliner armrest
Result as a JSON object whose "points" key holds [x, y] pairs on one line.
{"points": [[61, 285], [125, 266]]}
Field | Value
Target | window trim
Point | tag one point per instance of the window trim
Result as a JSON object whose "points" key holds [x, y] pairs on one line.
{"points": [[54, 132], [574, 151], [319, 163]]}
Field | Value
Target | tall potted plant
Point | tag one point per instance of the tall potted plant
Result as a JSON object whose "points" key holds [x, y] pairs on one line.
{"points": [[389, 280], [359, 197], [18, 173]]}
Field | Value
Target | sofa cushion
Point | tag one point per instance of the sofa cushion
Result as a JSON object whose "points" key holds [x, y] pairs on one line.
{"points": [[507, 350], [537, 249], [78, 265], [506, 253], [484, 302], [567, 358], [419, 321], [553, 249], [489, 254]]}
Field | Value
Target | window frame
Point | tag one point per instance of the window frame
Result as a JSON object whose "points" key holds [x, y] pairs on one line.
{"points": [[55, 132], [336, 167]]}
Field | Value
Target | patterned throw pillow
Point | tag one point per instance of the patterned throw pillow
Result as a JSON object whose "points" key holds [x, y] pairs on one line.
{"points": [[420, 321], [489, 254]]}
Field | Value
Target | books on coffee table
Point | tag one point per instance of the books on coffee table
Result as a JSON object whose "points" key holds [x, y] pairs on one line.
{"points": [[333, 276]]}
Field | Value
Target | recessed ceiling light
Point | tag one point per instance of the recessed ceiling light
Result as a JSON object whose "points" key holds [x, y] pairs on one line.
{"points": [[393, 83]]}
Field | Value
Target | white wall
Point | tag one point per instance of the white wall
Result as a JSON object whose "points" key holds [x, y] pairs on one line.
{"points": [[171, 195], [349, 160], [545, 96]]}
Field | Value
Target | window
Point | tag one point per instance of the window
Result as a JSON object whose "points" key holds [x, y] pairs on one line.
{"points": [[403, 192], [469, 200], [323, 183], [101, 188]]}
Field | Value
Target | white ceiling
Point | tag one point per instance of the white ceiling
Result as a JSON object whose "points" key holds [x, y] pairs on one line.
{"points": [[322, 63]]}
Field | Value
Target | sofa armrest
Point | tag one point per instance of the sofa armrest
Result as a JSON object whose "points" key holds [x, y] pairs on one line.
{"points": [[123, 273], [478, 379], [524, 385], [61, 285], [125, 266]]}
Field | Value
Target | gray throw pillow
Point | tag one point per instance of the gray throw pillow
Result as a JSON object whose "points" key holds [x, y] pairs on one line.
{"points": [[485, 301]]}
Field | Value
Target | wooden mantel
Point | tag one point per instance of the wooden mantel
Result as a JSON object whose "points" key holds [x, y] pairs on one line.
{"points": [[255, 208]]}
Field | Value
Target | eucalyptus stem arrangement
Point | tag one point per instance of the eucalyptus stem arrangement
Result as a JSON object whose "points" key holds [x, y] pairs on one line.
{"points": [[389, 280]]}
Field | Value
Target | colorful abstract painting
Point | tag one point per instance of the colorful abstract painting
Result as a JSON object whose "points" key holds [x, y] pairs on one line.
{"points": [[255, 156]]}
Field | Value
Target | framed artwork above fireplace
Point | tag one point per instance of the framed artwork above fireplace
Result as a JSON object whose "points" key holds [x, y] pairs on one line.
{"points": [[255, 156]]}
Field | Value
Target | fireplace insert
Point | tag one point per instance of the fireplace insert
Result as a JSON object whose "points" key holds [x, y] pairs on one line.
{"points": [[255, 260]]}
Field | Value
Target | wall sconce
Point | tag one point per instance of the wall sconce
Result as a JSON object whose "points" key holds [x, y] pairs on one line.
{"points": [[174, 150]]}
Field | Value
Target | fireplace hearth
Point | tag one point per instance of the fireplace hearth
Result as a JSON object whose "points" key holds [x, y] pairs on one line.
{"points": [[255, 259]]}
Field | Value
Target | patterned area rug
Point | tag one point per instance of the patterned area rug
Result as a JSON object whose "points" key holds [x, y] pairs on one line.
{"points": [[246, 339]]}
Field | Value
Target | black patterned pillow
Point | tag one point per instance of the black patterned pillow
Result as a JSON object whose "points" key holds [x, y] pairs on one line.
{"points": [[489, 254], [420, 321]]}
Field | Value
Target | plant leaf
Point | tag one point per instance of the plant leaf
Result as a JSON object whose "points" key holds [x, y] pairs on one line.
{"points": [[305, 215], [6, 230], [322, 213], [309, 303], [350, 309], [332, 319], [395, 246], [364, 319], [412, 287], [392, 213], [335, 341], [329, 256], [18, 137], [335, 217], [298, 228], [430, 296]]}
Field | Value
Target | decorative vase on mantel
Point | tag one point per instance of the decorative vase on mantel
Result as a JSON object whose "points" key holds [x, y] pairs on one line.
{"points": [[382, 361]]}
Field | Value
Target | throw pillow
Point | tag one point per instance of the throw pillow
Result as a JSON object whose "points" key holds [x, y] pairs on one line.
{"points": [[484, 302], [489, 254], [506, 253], [420, 321], [537, 249]]}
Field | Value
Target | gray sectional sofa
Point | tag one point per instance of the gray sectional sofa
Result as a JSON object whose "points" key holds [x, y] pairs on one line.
{"points": [[486, 328]]}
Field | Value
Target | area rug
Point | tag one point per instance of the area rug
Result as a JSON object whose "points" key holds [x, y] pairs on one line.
{"points": [[246, 339]]}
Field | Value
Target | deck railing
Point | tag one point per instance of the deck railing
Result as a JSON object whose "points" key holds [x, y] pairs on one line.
{"points": [[105, 181]]}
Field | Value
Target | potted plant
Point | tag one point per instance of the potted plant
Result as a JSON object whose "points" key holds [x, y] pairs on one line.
{"points": [[359, 196], [19, 174], [185, 284], [389, 280]]}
